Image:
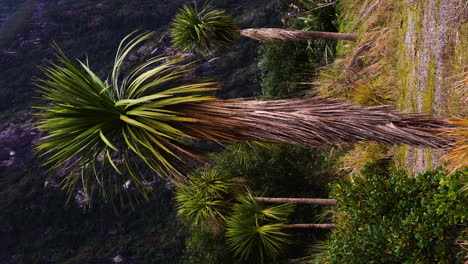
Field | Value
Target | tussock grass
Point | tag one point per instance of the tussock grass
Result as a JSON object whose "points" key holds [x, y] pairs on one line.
{"points": [[459, 93], [457, 157], [364, 72], [367, 152]]}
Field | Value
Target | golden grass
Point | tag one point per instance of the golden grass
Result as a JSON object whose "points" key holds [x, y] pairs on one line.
{"points": [[374, 71], [355, 159], [364, 73], [459, 92], [457, 157]]}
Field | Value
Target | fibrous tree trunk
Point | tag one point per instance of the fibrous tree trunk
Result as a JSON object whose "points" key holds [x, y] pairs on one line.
{"points": [[314, 122], [319, 226], [278, 34], [314, 201]]}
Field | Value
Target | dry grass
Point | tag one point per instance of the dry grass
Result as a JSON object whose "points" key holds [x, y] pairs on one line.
{"points": [[457, 157], [460, 92], [372, 72], [364, 73], [355, 159]]}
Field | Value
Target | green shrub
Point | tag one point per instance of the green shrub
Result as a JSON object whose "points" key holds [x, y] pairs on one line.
{"points": [[202, 247], [393, 218], [286, 67], [284, 171]]}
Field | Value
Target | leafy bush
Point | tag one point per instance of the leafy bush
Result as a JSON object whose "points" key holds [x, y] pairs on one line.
{"points": [[393, 218], [202, 247], [280, 64], [284, 64], [281, 172]]}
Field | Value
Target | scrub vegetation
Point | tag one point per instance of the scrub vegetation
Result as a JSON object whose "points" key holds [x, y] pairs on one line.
{"points": [[139, 133]]}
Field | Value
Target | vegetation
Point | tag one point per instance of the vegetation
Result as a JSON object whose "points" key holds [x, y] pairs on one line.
{"points": [[286, 66], [214, 202], [37, 227], [457, 157], [282, 172], [202, 247], [210, 30], [150, 115], [116, 123], [205, 201], [93, 28], [255, 232], [204, 32], [392, 218], [115, 135]]}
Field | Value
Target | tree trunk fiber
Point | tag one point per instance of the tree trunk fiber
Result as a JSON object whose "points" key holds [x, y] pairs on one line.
{"points": [[278, 34], [318, 226], [313, 122], [326, 202]]}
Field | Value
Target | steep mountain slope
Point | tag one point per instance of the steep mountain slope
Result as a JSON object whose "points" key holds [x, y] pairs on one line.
{"points": [[35, 224], [95, 28]]}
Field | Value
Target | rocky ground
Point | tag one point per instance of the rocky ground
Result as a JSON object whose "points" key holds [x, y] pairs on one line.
{"points": [[17, 137]]}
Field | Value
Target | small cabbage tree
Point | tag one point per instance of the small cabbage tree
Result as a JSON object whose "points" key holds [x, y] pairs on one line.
{"points": [[209, 30], [256, 232], [205, 201]]}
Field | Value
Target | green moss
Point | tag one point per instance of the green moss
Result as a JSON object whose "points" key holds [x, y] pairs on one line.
{"points": [[403, 68], [400, 155], [429, 156], [428, 93], [458, 66]]}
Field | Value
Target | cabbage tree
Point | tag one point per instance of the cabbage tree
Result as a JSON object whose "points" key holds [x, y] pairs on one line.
{"points": [[206, 200], [148, 116], [255, 231], [209, 30]]}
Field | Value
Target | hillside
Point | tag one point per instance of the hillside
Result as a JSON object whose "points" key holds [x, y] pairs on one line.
{"points": [[412, 55], [38, 226]]}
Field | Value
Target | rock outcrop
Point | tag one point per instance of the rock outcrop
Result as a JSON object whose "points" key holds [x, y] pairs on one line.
{"points": [[17, 137]]}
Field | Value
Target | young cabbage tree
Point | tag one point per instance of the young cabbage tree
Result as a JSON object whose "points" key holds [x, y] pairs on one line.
{"points": [[148, 116], [209, 30], [259, 232], [207, 198]]}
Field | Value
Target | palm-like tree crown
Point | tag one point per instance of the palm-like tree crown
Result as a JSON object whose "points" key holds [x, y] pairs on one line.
{"points": [[121, 123], [204, 32], [257, 232], [206, 200]]}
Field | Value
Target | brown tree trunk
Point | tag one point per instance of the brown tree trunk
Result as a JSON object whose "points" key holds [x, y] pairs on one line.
{"points": [[315, 201], [278, 34], [318, 226], [314, 122]]}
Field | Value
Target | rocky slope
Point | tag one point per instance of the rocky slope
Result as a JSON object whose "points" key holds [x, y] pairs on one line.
{"points": [[94, 29], [35, 224]]}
